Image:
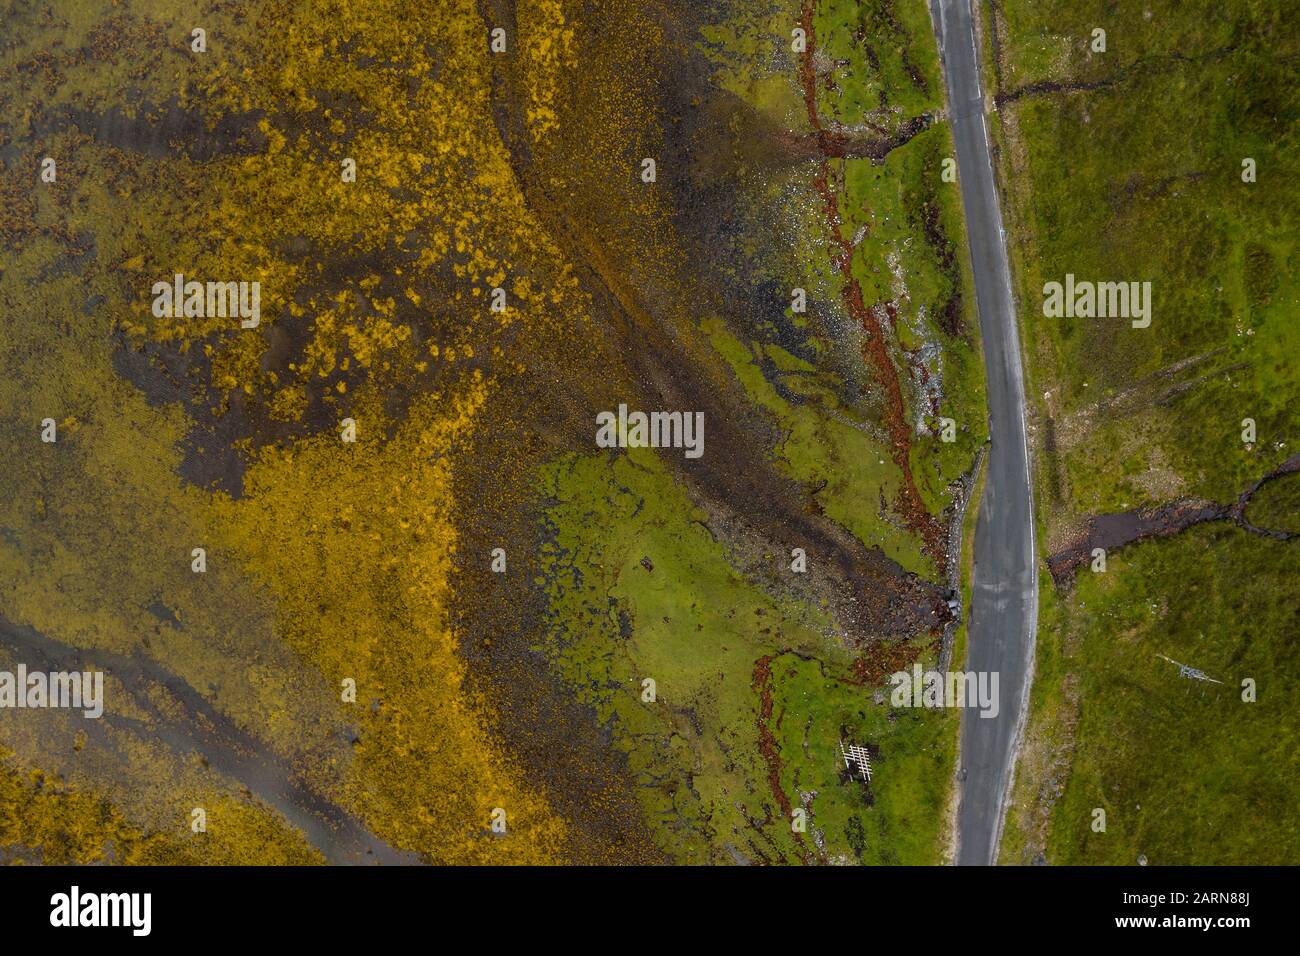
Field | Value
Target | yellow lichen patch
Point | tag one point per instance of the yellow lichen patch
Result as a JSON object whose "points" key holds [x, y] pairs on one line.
{"points": [[549, 50], [327, 560], [433, 218], [355, 541], [44, 821]]}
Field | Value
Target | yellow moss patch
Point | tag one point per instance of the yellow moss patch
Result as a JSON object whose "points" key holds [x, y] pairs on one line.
{"points": [[356, 540]]}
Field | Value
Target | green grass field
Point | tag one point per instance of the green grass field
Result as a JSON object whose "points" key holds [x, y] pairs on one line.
{"points": [[640, 589], [1127, 165]]}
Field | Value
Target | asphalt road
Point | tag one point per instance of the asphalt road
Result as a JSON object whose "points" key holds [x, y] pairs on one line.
{"points": [[1004, 599]]}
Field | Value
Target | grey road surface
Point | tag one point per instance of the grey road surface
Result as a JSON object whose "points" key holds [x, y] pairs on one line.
{"points": [[1004, 599]]}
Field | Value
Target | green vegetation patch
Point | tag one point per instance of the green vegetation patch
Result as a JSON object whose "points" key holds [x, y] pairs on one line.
{"points": [[1130, 165], [1187, 771], [640, 589]]}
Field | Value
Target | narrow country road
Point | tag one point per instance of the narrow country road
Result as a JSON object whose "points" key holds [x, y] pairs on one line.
{"points": [[1004, 599]]}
